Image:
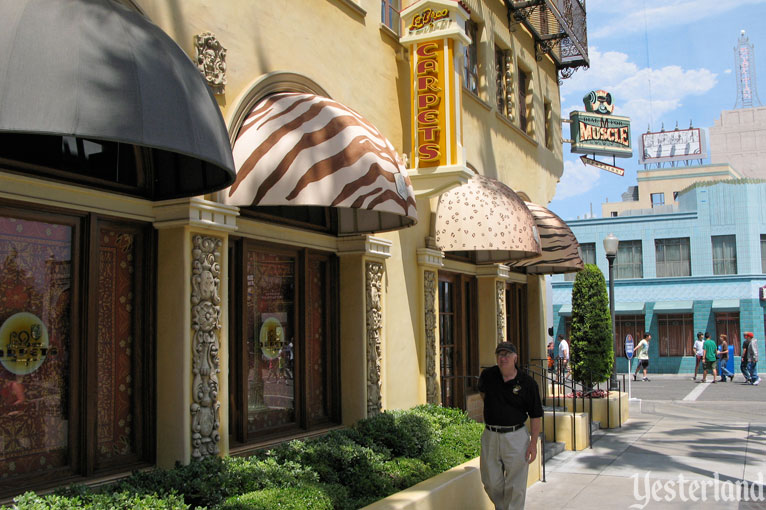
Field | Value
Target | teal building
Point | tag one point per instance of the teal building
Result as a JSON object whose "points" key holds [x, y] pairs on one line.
{"points": [[696, 266]]}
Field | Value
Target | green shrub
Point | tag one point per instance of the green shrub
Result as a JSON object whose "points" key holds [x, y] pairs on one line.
{"points": [[285, 498], [441, 417], [94, 501], [402, 433], [592, 347], [406, 472]]}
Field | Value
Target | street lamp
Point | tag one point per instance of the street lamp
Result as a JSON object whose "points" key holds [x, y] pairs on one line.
{"points": [[610, 247]]}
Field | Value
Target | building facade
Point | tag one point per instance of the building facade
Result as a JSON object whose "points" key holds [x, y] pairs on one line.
{"points": [[697, 269], [269, 250]]}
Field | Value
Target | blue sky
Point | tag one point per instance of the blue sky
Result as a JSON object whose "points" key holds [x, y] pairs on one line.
{"points": [[664, 61]]}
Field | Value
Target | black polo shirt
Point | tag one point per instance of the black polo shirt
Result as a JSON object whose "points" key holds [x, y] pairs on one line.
{"points": [[509, 403]]}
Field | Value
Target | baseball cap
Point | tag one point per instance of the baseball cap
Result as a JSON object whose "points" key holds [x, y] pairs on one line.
{"points": [[505, 346], [748, 334]]}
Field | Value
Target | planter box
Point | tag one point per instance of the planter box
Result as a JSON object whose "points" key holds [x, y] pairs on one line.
{"points": [[598, 411], [460, 487], [570, 429]]}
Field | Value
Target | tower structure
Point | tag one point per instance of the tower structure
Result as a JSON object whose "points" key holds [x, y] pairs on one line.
{"points": [[744, 61]]}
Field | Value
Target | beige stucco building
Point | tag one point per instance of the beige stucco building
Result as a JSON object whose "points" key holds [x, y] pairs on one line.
{"points": [[738, 138], [190, 311]]}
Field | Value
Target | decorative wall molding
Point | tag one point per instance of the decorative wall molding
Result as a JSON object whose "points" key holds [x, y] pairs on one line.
{"points": [[206, 325], [500, 290], [430, 258], [374, 286], [196, 212], [372, 247], [211, 60], [429, 295], [493, 271]]}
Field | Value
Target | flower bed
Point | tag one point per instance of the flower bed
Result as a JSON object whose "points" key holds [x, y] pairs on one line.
{"points": [[345, 469]]}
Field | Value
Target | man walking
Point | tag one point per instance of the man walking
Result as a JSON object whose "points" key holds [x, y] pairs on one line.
{"points": [[642, 353], [564, 355], [752, 359], [507, 449], [699, 353], [710, 357]]}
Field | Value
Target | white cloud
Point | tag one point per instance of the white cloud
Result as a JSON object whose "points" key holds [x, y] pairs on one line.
{"points": [[643, 94], [576, 180], [727, 71], [630, 16]]}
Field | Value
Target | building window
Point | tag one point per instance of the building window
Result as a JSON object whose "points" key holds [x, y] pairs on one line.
{"points": [[548, 112], [724, 254], [86, 406], [727, 323], [523, 88], [588, 256], [629, 261], [389, 14], [673, 257], [471, 60], [458, 348], [676, 334], [763, 253], [516, 319], [625, 325], [284, 341], [658, 199], [614, 214], [503, 82]]}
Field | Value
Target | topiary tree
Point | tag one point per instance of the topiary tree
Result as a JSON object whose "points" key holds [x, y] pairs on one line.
{"points": [[592, 347]]}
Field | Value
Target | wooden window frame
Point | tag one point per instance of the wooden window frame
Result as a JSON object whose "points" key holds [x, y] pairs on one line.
{"points": [[687, 329], [386, 6], [242, 439]]}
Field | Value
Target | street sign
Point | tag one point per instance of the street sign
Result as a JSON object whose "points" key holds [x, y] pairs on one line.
{"points": [[603, 166], [629, 346]]}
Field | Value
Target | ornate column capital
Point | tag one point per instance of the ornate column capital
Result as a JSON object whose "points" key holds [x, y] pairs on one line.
{"points": [[428, 258], [196, 212], [374, 248]]}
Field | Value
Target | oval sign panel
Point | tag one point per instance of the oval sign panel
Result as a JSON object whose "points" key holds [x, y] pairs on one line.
{"points": [[629, 346], [23, 343]]}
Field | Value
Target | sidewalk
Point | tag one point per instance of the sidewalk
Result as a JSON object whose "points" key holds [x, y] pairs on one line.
{"points": [[670, 450]]}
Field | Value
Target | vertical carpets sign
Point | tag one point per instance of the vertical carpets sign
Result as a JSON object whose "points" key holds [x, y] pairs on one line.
{"points": [[430, 103]]}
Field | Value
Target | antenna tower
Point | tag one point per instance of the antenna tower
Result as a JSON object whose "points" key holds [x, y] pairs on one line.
{"points": [[744, 61]]}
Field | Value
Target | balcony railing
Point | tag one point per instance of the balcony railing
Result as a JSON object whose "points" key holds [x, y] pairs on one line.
{"points": [[559, 28]]}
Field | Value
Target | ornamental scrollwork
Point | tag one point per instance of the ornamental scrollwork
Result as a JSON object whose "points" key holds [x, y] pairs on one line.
{"points": [[374, 286], [211, 60], [500, 287], [206, 325], [429, 294]]}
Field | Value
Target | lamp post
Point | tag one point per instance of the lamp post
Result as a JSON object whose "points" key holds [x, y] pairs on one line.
{"points": [[610, 247]]}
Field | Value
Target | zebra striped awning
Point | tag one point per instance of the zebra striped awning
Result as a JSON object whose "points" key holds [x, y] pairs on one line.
{"points": [[298, 149], [560, 246], [486, 217]]}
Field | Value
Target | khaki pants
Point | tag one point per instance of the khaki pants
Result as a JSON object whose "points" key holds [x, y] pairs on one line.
{"points": [[504, 467]]}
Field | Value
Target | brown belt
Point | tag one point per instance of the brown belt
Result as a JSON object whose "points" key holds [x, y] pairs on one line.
{"points": [[503, 430]]}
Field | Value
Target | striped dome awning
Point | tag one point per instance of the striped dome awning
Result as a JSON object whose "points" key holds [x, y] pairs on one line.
{"points": [[297, 149], [559, 244], [486, 216]]}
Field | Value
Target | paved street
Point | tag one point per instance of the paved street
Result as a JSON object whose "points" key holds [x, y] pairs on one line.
{"points": [[683, 438]]}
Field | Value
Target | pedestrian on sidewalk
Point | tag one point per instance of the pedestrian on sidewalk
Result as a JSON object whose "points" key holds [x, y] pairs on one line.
{"points": [[743, 358], [642, 353], [699, 353], [507, 449], [723, 355], [752, 359], [710, 358], [563, 356]]}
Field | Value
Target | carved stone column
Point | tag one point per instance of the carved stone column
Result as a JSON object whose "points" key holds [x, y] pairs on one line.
{"points": [[500, 291], [430, 260], [373, 285], [206, 314]]}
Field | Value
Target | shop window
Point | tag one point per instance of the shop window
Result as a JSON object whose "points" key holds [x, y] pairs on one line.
{"points": [[625, 325], [458, 342], [727, 323], [389, 14], [588, 256], [724, 254], [471, 58], [503, 82], [76, 386], [672, 257], [523, 100], [629, 260], [283, 342], [676, 334], [516, 319]]}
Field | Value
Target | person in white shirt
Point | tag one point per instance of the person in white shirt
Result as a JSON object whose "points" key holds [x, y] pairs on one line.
{"points": [[699, 353], [564, 355]]}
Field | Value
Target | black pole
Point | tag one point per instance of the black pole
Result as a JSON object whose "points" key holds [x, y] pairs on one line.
{"points": [[610, 258]]}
